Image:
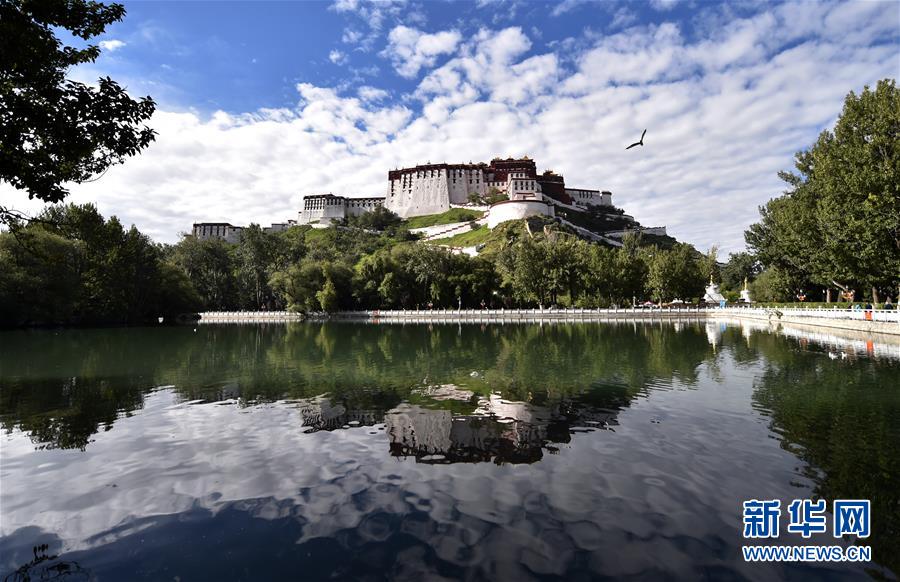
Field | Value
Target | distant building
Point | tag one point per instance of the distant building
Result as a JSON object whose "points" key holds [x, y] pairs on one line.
{"points": [[219, 230], [433, 188], [327, 208], [279, 226], [512, 186], [230, 233]]}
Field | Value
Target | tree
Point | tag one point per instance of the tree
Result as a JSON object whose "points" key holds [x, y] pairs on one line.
{"points": [[39, 282], [523, 268], [674, 274], [631, 269], [55, 130], [379, 219], [328, 297], [772, 285], [709, 265], [740, 266], [209, 265], [72, 266], [838, 224], [601, 284], [254, 255]]}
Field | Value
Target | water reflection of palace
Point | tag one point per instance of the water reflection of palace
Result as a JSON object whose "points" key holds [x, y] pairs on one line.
{"points": [[493, 430], [498, 430], [320, 413]]}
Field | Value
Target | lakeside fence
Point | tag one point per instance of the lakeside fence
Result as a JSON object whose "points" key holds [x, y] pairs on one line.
{"points": [[553, 314], [457, 315], [880, 315]]}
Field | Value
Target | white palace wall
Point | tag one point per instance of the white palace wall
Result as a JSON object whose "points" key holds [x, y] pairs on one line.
{"points": [[516, 209], [432, 190], [415, 194]]}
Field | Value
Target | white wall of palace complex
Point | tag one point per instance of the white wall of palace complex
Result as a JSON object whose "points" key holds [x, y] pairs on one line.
{"points": [[435, 188], [511, 186], [517, 209]]}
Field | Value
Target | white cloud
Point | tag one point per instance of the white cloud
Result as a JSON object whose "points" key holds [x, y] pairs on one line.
{"points": [[663, 5], [111, 45], [372, 15], [567, 6], [410, 49], [622, 18], [337, 57], [490, 64], [725, 111], [367, 93]]}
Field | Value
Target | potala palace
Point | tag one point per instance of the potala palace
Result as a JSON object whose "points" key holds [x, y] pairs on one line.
{"points": [[434, 188], [508, 189]]}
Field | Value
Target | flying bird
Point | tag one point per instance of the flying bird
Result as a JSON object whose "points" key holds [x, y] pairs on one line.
{"points": [[638, 143]]}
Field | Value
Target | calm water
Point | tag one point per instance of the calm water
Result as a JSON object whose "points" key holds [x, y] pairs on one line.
{"points": [[365, 452]]}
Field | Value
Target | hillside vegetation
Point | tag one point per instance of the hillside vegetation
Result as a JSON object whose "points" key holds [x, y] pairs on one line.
{"points": [[449, 217]]}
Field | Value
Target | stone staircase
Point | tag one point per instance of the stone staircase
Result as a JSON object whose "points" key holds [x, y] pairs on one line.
{"points": [[458, 227]]}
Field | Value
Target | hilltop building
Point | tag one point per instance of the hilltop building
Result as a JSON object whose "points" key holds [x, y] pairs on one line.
{"points": [[230, 233], [435, 188], [328, 207], [508, 189]]}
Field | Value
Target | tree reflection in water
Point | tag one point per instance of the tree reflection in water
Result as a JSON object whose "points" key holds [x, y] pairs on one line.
{"points": [[450, 394]]}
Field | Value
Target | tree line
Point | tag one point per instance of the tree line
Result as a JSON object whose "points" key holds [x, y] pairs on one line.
{"points": [[836, 230], [72, 266]]}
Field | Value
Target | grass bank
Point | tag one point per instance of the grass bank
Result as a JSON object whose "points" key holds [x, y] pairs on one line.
{"points": [[452, 215]]}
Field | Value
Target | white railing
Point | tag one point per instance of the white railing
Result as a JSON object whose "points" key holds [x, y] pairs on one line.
{"points": [[248, 316], [883, 315], [536, 314]]}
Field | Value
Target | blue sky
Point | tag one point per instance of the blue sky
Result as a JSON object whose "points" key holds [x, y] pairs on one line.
{"points": [[260, 103]]}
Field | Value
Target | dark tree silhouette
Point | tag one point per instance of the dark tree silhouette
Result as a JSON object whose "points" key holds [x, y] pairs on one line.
{"points": [[54, 130]]}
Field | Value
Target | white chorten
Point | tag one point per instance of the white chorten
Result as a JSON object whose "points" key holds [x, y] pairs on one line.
{"points": [[712, 293]]}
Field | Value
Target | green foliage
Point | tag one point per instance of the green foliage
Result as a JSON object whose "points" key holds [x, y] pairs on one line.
{"points": [[449, 217], [598, 219], [674, 274], [772, 285], [55, 130], [838, 225], [208, 265], [80, 268], [565, 270], [253, 257], [709, 265], [469, 238], [328, 297], [38, 277], [493, 196], [740, 266], [74, 267], [380, 219]]}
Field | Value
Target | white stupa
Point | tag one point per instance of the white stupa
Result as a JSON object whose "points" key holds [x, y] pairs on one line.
{"points": [[712, 293], [745, 293]]}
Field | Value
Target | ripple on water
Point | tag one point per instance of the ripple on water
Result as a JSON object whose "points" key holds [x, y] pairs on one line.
{"points": [[447, 481]]}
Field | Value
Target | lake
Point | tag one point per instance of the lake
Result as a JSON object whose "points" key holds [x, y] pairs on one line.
{"points": [[347, 451]]}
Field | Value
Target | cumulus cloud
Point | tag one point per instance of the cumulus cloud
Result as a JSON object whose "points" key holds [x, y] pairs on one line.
{"points": [[725, 110], [111, 45], [410, 49], [493, 65], [367, 93]]}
